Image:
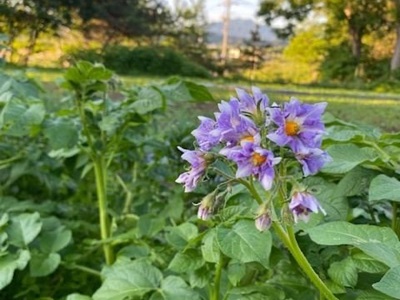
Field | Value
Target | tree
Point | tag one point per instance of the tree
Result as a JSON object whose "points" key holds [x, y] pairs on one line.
{"points": [[125, 18], [395, 62], [34, 17]]}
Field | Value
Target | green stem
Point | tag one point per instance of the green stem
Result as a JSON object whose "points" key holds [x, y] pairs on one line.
{"points": [[217, 279], [385, 157], [100, 174], [306, 267], [289, 240], [10, 160], [83, 269]]}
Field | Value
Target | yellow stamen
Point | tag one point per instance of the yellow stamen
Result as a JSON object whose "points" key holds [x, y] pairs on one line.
{"points": [[257, 159], [291, 128], [247, 138]]}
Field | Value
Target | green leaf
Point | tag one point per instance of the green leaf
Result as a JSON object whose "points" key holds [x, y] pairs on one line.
{"points": [[149, 99], [344, 233], [174, 288], [23, 229], [236, 272], [11, 262], [378, 242], [373, 295], [366, 263], [210, 248], [128, 279], [262, 292], [245, 243], [55, 240], [179, 236], [342, 133], [384, 188], [76, 296], [44, 264], [389, 284], [187, 261], [20, 119], [347, 156], [181, 90], [332, 201], [356, 182], [149, 225], [62, 133], [344, 272]]}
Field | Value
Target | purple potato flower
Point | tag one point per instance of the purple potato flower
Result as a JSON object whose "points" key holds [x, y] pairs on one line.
{"points": [[234, 127], [253, 104], [198, 164], [302, 204], [206, 134], [311, 159], [251, 159], [298, 124]]}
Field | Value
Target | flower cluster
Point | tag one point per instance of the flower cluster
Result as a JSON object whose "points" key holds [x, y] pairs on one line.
{"points": [[247, 130]]}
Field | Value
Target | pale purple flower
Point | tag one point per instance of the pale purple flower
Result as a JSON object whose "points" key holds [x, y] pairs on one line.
{"points": [[251, 159], [263, 222], [206, 134], [298, 124], [311, 159], [302, 204], [255, 104], [198, 164], [234, 127]]}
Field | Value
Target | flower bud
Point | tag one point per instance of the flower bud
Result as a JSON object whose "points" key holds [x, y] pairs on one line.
{"points": [[263, 222], [206, 206]]}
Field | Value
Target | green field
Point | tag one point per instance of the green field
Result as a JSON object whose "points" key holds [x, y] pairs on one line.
{"points": [[358, 106]]}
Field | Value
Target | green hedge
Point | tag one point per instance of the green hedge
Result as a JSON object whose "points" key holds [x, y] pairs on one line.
{"points": [[143, 60]]}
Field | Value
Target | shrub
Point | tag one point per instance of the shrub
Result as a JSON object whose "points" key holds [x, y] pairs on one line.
{"points": [[144, 60]]}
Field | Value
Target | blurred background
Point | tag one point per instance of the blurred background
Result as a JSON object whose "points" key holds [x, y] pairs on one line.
{"points": [[280, 45], [296, 41]]}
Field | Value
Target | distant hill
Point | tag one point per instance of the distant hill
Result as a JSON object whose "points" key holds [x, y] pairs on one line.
{"points": [[239, 31]]}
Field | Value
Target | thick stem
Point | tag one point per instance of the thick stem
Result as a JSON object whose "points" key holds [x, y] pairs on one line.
{"points": [[217, 279], [289, 240], [100, 174], [306, 267]]}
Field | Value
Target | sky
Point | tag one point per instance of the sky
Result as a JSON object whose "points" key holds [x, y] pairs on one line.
{"points": [[241, 9]]}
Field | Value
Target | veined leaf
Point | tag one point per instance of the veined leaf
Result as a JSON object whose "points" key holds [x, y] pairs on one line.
{"points": [[384, 188], [245, 243]]}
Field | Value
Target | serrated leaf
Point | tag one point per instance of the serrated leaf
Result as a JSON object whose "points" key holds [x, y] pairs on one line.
{"points": [[174, 288], [44, 264], [128, 279], [23, 229], [347, 156], [389, 284], [245, 243], [184, 262], [384, 188], [10, 263], [344, 272]]}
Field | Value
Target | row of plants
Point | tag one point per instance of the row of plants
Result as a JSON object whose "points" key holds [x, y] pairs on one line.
{"points": [[90, 208]]}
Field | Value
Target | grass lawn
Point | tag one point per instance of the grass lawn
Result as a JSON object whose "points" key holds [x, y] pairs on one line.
{"points": [[357, 106]]}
